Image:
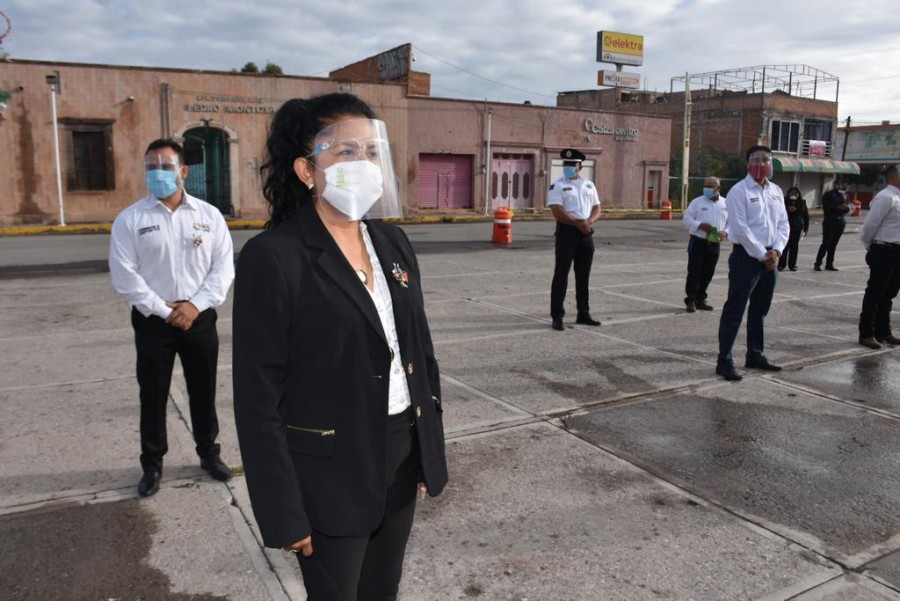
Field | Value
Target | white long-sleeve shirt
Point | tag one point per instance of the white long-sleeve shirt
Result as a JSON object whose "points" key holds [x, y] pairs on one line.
{"points": [[757, 218], [883, 221], [157, 255], [703, 210]]}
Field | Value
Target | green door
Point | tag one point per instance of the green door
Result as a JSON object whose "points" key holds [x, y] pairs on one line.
{"points": [[209, 178]]}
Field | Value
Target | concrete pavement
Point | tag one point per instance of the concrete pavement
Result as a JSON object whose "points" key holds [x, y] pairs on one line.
{"points": [[596, 463]]}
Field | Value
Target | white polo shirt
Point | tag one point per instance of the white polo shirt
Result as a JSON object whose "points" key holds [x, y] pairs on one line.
{"points": [[158, 255], [577, 196]]}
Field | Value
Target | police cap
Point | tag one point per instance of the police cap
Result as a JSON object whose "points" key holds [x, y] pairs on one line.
{"points": [[570, 155]]}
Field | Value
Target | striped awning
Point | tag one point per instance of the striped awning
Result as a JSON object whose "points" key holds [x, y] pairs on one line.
{"points": [[810, 165]]}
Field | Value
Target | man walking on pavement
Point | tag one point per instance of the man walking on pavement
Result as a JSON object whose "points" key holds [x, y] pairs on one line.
{"points": [[705, 218], [834, 207], [171, 258], [880, 234], [576, 206], [758, 229]]}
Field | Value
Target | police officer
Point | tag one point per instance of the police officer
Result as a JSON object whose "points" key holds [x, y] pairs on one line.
{"points": [[575, 206], [834, 207]]}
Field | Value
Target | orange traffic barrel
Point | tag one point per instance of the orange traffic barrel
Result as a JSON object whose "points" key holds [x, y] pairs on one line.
{"points": [[502, 226], [665, 209]]}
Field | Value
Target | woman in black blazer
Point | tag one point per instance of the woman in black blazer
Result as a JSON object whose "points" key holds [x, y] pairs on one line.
{"points": [[336, 386]]}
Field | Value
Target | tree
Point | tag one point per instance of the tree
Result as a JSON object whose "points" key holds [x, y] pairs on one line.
{"points": [[250, 68], [272, 69]]}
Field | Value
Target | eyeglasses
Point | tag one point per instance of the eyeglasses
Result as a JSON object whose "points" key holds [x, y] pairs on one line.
{"points": [[352, 150]]}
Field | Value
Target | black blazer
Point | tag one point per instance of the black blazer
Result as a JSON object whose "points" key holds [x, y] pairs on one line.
{"points": [[311, 374]]}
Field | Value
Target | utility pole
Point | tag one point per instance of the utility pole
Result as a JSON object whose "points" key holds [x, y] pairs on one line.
{"points": [[846, 136], [686, 150]]}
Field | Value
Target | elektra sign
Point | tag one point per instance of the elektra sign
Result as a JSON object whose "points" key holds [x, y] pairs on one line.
{"points": [[622, 134]]}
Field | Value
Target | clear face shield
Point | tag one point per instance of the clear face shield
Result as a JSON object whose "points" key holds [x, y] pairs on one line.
{"points": [[163, 174], [354, 170]]}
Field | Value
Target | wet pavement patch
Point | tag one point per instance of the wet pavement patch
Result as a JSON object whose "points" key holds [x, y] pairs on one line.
{"points": [[811, 465], [93, 551]]}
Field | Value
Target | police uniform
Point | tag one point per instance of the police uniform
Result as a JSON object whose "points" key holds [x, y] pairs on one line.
{"points": [[577, 197], [833, 225]]}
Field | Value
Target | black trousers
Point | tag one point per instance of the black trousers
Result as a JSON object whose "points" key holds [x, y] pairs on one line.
{"points": [[789, 255], [882, 287], [571, 246], [702, 259], [368, 567], [832, 229], [157, 344]]}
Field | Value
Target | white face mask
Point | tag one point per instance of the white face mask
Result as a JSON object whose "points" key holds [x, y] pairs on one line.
{"points": [[353, 187]]}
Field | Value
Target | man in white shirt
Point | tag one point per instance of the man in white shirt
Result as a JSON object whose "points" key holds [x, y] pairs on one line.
{"points": [[758, 229], [171, 258], [880, 234], [576, 206], [705, 218]]}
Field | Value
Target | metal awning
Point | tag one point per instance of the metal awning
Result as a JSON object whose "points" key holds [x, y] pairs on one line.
{"points": [[808, 165]]}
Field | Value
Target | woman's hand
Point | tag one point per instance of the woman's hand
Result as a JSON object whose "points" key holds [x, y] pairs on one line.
{"points": [[304, 546]]}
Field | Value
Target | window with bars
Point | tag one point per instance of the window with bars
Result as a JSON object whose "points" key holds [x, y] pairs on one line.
{"points": [[89, 156], [785, 136]]}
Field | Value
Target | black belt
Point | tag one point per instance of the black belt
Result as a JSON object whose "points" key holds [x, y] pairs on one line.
{"points": [[888, 244], [742, 248]]}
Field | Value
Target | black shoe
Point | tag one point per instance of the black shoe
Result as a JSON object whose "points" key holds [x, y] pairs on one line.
{"points": [[216, 468], [586, 320], [793, 268], [780, 268], [831, 268], [727, 371], [817, 267], [149, 484], [689, 306], [558, 324], [870, 342], [761, 363], [704, 307]]}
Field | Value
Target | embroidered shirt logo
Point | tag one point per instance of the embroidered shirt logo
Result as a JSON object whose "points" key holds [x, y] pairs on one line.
{"points": [[148, 229]]}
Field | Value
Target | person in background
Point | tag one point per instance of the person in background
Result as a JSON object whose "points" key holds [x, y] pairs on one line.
{"points": [[880, 234], [798, 219], [834, 207], [705, 218], [171, 258], [758, 230], [576, 206], [337, 393]]}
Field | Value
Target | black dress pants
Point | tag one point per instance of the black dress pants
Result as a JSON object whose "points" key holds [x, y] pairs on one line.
{"points": [[881, 289], [832, 229], [702, 260], [369, 567], [157, 344], [571, 246], [789, 255]]}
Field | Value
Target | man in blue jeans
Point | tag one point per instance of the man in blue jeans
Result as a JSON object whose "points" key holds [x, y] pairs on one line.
{"points": [[758, 227]]}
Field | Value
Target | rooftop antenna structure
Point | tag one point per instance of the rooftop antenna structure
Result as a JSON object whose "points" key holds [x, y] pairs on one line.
{"points": [[5, 28]]}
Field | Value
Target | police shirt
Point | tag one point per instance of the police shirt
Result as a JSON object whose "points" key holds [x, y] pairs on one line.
{"points": [[704, 210], [577, 196], [757, 219], [882, 224], [158, 255]]}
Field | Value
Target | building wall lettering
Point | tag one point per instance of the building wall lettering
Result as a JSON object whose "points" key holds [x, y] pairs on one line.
{"points": [[622, 134], [209, 103]]}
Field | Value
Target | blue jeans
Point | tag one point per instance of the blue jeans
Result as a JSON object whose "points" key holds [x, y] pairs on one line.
{"points": [[748, 280]]}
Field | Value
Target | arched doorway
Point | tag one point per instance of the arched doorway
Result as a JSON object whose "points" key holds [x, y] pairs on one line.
{"points": [[206, 152]]}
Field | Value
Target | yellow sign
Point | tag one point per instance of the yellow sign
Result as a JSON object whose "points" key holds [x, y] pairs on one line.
{"points": [[620, 48]]}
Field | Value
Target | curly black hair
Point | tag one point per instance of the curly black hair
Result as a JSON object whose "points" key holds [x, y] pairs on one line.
{"points": [[291, 133]]}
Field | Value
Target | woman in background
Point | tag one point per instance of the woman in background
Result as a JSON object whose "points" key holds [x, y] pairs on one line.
{"points": [[798, 219]]}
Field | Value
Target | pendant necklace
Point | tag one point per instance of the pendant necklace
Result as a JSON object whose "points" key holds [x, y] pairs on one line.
{"points": [[361, 273]]}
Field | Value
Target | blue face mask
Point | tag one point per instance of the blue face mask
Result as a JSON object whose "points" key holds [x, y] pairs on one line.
{"points": [[570, 172], [709, 192], [162, 184]]}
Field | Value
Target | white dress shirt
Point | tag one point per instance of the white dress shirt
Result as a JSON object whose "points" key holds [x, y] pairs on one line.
{"points": [[883, 221], [157, 255], [703, 210], [757, 218], [398, 388], [577, 196]]}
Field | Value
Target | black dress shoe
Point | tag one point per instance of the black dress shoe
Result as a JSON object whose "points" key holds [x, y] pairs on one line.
{"points": [[817, 267], [149, 484], [780, 268], [889, 339], [557, 325], [761, 363], [727, 371], [831, 268], [689, 306], [793, 268], [587, 320], [216, 468], [704, 307]]}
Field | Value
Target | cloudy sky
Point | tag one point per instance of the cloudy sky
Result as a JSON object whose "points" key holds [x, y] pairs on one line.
{"points": [[499, 50]]}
